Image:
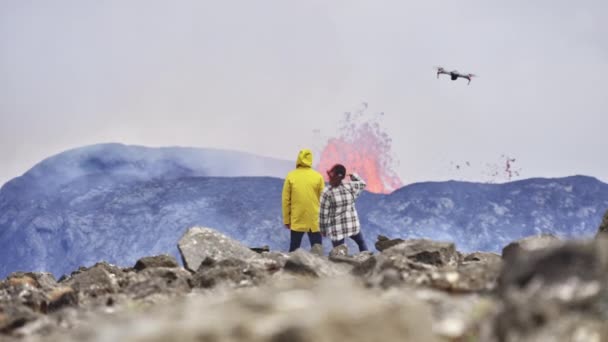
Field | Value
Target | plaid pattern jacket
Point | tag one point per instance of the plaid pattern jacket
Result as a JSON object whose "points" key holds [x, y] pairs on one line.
{"points": [[337, 216]]}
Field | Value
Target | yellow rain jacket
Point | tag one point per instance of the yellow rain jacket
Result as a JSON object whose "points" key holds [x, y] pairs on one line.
{"points": [[301, 192]]}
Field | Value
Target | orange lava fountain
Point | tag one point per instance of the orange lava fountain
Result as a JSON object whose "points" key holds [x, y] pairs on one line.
{"points": [[364, 148]]}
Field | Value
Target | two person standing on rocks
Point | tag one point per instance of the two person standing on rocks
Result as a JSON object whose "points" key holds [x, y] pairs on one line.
{"points": [[315, 209]]}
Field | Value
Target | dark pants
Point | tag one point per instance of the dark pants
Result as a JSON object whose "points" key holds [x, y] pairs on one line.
{"points": [[358, 238], [296, 239]]}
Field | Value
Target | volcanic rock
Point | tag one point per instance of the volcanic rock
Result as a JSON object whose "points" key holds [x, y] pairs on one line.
{"points": [[384, 242], [530, 243], [231, 272], [199, 243], [156, 261], [303, 263]]}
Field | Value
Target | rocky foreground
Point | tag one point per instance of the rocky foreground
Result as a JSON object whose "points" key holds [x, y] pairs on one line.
{"points": [[540, 289]]}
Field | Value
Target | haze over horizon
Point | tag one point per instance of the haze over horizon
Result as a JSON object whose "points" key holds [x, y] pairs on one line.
{"points": [[271, 77]]}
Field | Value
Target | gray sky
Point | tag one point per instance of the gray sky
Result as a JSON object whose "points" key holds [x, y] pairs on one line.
{"points": [[261, 76]]}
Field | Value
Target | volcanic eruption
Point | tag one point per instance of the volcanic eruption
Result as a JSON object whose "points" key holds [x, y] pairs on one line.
{"points": [[365, 148]]}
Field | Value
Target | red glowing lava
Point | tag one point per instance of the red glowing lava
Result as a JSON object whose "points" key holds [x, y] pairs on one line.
{"points": [[362, 147]]}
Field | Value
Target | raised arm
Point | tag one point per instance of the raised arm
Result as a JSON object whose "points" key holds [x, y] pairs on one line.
{"points": [[357, 184]]}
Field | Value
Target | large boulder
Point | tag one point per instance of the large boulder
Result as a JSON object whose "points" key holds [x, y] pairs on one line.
{"points": [[564, 282], [200, 243]]}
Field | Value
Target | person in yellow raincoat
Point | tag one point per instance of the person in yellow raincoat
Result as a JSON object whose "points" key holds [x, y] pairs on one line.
{"points": [[301, 193]]}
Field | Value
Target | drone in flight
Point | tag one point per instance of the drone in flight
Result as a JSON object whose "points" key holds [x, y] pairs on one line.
{"points": [[454, 74]]}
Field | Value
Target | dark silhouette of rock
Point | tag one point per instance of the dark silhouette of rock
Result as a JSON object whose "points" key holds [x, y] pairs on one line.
{"points": [[261, 249], [163, 260], [384, 242], [530, 243], [199, 243], [482, 257]]}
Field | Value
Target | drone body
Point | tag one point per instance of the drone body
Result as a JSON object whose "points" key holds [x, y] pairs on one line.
{"points": [[454, 74]]}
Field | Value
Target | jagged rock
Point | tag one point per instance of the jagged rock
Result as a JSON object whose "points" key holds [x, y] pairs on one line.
{"points": [[42, 280], [199, 243], [23, 290], [158, 280], [427, 252], [94, 281], [303, 263], [231, 272], [561, 281], [529, 243], [163, 260], [365, 268], [271, 261], [21, 279], [429, 263], [384, 242], [61, 297], [339, 251]]}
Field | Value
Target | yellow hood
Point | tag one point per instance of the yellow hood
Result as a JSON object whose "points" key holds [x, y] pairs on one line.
{"points": [[304, 158]]}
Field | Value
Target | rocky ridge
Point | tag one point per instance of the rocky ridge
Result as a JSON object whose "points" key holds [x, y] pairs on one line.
{"points": [[540, 289]]}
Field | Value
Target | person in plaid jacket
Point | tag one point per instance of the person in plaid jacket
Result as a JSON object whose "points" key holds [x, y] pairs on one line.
{"points": [[338, 217]]}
